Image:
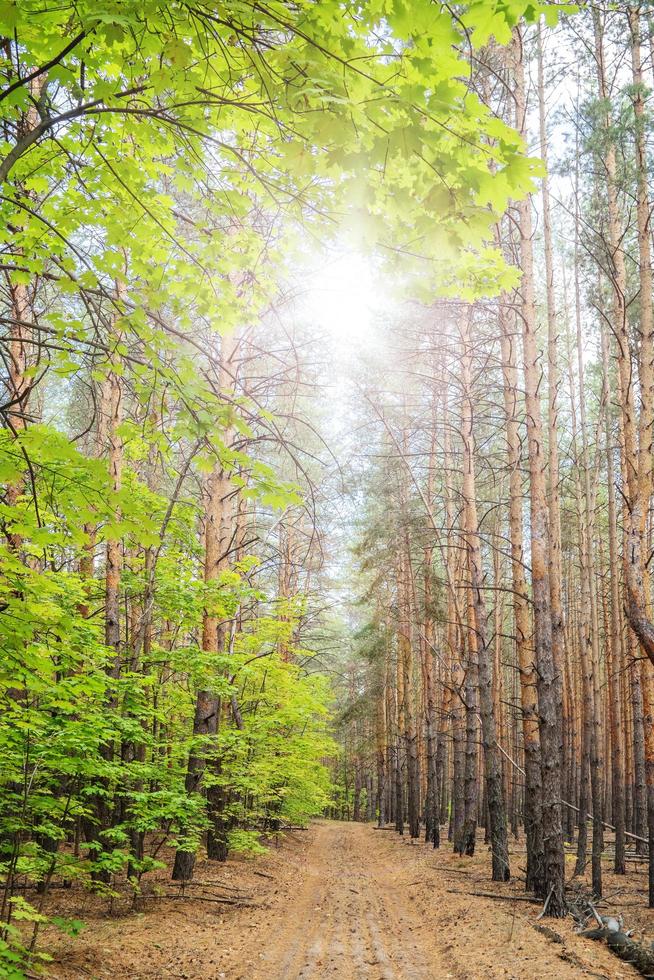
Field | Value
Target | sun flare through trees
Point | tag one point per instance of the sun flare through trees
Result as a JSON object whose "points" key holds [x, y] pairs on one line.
{"points": [[327, 475]]}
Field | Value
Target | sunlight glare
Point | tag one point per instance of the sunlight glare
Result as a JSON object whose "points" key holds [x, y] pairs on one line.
{"points": [[343, 298]]}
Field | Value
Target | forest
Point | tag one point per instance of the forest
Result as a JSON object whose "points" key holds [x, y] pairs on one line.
{"points": [[327, 479]]}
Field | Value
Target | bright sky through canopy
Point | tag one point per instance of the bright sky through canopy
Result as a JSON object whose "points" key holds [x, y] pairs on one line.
{"points": [[343, 296]]}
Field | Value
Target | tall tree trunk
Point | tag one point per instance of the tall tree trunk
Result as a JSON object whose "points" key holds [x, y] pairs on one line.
{"points": [[400, 729], [636, 565], [553, 382], [455, 648], [405, 640], [548, 683], [208, 707], [432, 798], [614, 638], [589, 637], [492, 758], [471, 702], [522, 623], [638, 434]]}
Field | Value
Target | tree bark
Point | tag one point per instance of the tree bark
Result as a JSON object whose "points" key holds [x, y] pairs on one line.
{"points": [[548, 682], [218, 526], [480, 640]]}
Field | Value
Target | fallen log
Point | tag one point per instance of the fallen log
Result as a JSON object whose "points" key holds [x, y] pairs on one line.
{"points": [[609, 928], [630, 951]]}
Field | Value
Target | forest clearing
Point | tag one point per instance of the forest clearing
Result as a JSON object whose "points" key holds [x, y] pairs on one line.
{"points": [[326, 489]]}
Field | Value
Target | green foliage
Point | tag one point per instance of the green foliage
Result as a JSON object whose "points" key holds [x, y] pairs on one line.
{"points": [[169, 111], [161, 164], [64, 713]]}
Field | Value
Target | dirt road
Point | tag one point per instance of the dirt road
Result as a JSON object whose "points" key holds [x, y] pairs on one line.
{"points": [[346, 919], [340, 901], [369, 905]]}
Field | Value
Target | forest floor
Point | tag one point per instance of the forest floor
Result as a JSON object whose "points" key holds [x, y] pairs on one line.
{"points": [[341, 900]]}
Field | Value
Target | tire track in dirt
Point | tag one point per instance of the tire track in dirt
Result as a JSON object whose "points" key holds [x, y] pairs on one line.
{"points": [[360, 914], [342, 921]]}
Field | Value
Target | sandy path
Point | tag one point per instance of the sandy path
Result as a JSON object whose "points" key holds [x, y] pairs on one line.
{"points": [[368, 904], [340, 900], [345, 920]]}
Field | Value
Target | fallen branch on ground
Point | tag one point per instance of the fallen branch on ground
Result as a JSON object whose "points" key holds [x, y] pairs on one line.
{"points": [[202, 884], [619, 941], [204, 898], [500, 898], [547, 902]]}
